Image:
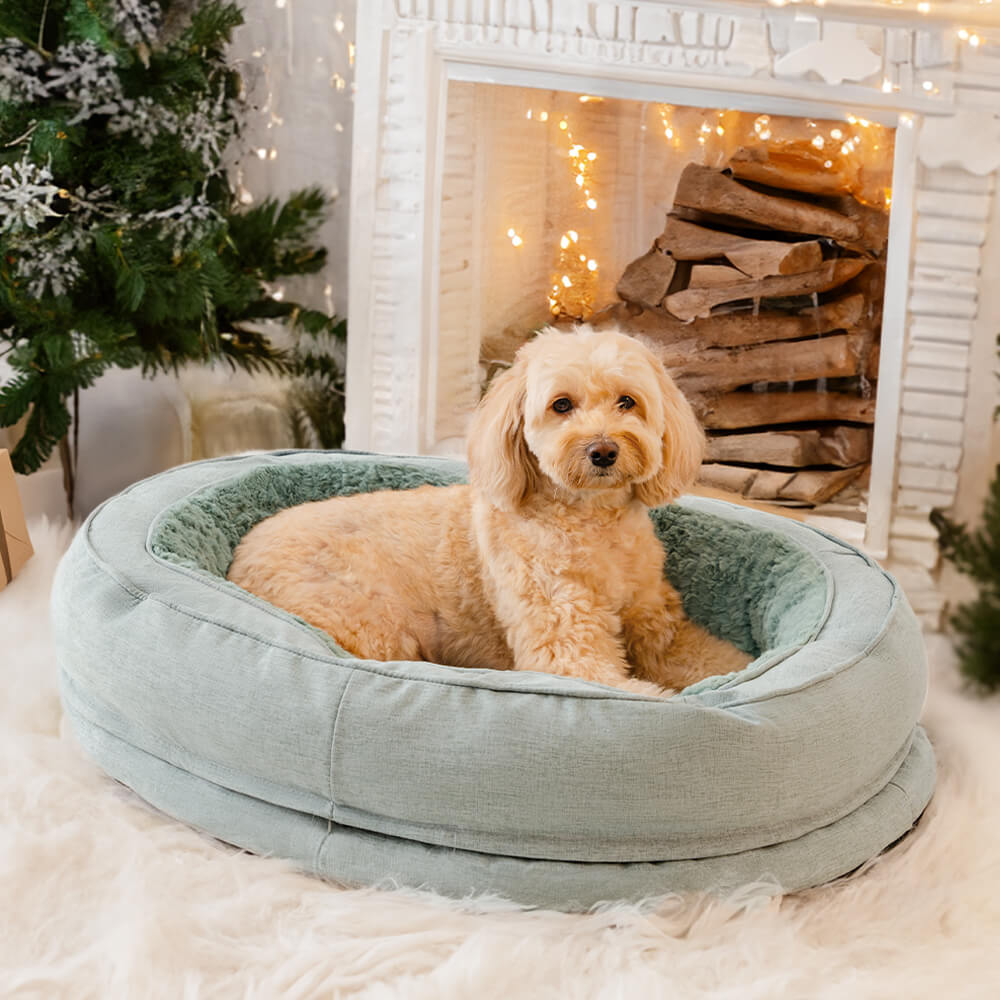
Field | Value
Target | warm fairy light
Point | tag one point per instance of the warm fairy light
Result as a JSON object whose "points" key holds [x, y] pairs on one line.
{"points": [[592, 203], [719, 130], [528, 115], [564, 125], [927, 85], [818, 141], [887, 86], [592, 157], [668, 132], [828, 164], [591, 264], [564, 242], [705, 128], [836, 133], [766, 134], [544, 116], [963, 34], [573, 235], [974, 40], [514, 238], [923, 7], [566, 282]]}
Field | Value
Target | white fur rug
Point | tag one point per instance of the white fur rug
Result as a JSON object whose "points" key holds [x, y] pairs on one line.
{"points": [[100, 897]]}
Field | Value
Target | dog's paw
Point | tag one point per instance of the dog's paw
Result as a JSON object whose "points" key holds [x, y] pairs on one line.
{"points": [[649, 688]]}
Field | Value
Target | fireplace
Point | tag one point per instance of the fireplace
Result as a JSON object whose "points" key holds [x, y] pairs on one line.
{"points": [[519, 163]]}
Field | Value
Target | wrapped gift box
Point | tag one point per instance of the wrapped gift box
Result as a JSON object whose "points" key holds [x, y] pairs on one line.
{"points": [[15, 546]]}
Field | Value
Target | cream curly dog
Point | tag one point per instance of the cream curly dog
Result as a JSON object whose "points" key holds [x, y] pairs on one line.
{"points": [[546, 561]]}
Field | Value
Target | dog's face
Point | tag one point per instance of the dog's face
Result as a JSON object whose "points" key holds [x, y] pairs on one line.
{"points": [[589, 410]]}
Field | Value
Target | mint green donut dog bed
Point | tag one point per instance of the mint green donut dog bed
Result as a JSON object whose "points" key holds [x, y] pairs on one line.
{"points": [[245, 722]]}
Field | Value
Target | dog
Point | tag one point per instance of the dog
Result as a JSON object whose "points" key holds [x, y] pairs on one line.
{"points": [[546, 561]]}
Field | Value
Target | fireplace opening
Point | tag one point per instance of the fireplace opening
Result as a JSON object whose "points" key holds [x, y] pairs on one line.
{"points": [[749, 246]]}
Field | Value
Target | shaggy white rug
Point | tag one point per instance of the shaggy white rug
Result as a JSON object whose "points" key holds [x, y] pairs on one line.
{"points": [[101, 897]]}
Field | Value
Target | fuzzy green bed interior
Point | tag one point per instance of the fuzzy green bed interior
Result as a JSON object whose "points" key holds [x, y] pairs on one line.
{"points": [[230, 714], [758, 592]]}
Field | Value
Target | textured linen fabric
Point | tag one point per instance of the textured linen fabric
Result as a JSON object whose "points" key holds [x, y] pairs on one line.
{"points": [[246, 722]]}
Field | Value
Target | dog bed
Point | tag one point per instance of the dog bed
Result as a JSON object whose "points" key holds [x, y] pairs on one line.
{"points": [[247, 723]]}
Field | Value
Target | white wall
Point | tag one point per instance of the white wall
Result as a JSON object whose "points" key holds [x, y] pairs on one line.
{"points": [[297, 59]]}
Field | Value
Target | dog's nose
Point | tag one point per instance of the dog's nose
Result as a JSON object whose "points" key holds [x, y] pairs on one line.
{"points": [[602, 454]]}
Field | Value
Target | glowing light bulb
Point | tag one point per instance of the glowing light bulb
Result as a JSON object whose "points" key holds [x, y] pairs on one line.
{"points": [[592, 156], [923, 7], [887, 86], [818, 141], [591, 203], [573, 235], [963, 34], [591, 264], [517, 241], [544, 116], [669, 133], [720, 130], [564, 242], [564, 125], [835, 133], [579, 180], [974, 40], [927, 85], [510, 232], [528, 114], [566, 282]]}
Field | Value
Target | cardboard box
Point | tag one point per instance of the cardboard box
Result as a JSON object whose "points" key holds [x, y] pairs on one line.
{"points": [[15, 546]]}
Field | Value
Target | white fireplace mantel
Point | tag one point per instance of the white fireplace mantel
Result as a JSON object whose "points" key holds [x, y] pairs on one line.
{"points": [[939, 89]]}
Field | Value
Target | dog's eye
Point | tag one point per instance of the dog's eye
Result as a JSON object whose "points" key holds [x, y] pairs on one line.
{"points": [[562, 405], [625, 403]]}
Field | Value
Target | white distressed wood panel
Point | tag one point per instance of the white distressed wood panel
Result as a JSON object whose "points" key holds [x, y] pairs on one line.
{"points": [[954, 179], [954, 205], [934, 404], [908, 526], [458, 333], [939, 429], [925, 554], [933, 456], [928, 253], [940, 303], [945, 230], [950, 356], [946, 329], [945, 280], [942, 480], [923, 499]]}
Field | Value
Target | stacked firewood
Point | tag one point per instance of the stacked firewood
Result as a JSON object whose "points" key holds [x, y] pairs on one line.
{"points": [[764, 290]]}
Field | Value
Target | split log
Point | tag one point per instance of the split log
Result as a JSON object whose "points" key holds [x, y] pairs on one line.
{"points": [[647, 278], [720, 370], [757, 409], [797, 167], [757, 258], [807, 486], [714, 276], [736, 329], [843, 446], [698, 302], [715, 194]]}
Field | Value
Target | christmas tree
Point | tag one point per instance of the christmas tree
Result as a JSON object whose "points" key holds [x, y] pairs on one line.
{"points": [[121, 241], [977, 554]]}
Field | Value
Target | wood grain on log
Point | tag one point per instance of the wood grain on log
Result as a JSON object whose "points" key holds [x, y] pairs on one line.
{"points": [[719, 370], [698, 302], [716, 194], [798, 169], [758, 409], [758, 258], [736, 329], [807, 486], [713, 275], [842, 446], [647, 278]]}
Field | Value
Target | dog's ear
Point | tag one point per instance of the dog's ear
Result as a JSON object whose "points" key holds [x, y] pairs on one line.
{"points": [[683, 447], [501, 465]]}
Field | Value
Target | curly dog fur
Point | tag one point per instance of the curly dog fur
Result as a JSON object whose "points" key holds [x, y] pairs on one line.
{"points": [[546, 561]]}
